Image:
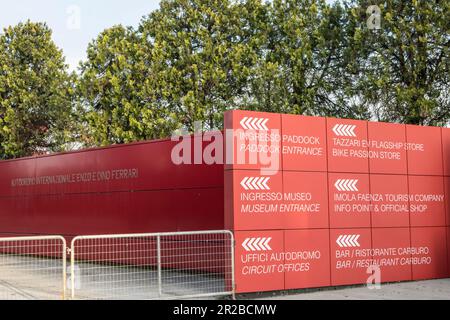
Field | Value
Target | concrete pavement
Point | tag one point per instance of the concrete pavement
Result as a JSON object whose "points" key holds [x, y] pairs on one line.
{"points": [[420, 290]]}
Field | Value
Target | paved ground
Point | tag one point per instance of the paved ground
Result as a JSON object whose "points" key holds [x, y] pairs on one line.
{"points": [[28, 278], [31, 278], [422, 290]]}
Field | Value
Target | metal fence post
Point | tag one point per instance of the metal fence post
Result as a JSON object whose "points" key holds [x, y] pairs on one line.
{"points": [[72, 267], [233, 278], [64, 255], [158, 250]]}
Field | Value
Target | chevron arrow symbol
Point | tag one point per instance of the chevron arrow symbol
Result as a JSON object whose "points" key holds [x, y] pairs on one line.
{"points": [[344, 130], [255, 183], [257, 244], [254, 123], [346, 185], [348, 241]]}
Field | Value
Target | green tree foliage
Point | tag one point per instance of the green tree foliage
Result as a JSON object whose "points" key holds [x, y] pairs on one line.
{"points": [[191, 60], [404, 67], [113, 87], [200, 58], [302, 64], [35, 92]]}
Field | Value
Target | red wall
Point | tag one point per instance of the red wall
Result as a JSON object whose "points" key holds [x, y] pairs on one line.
{"points": [[365, 193], [329, 225], [162, 197]]}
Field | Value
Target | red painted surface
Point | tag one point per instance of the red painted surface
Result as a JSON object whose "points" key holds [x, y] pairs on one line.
{"points": [[387, 148], [115, 213], [348, 146], [390, 205], [97, 197], [152, 160], [447, 200], [391, 253], [307, 207], [448, 251], [430, 261], [379, 181], [424, 150], [349, 204], [293, 259], [297, 205], [427, 203], [259, 269], [349, 262], [255, 208], [253, 148], [14, 169], [229, 195], [304, 143], [446, 150], [308, 265]]}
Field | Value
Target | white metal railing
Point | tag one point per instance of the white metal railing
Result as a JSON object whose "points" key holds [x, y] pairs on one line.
{"points": [[129, 266], [33, 268], [177, 265]]}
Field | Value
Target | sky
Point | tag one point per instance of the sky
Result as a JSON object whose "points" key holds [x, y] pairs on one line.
{"points": [[75, 23]]}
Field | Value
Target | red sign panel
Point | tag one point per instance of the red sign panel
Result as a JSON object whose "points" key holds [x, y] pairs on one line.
{"points": [[429, 256], [427, 201], [349, 197], [262, 203], [447, 200], [277, 260], [392, 254], [259, 261], [355, 186], [446, 150], [256, 200], [304, 143], [387, 148], [350, 256], [347, 146], [255, 139], [448, 250], [389, 196], [307, 259], [305, 200], [424, 147]]}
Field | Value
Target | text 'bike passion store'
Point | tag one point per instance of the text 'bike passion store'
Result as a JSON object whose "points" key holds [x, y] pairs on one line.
{"points": [[344, 195]]}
